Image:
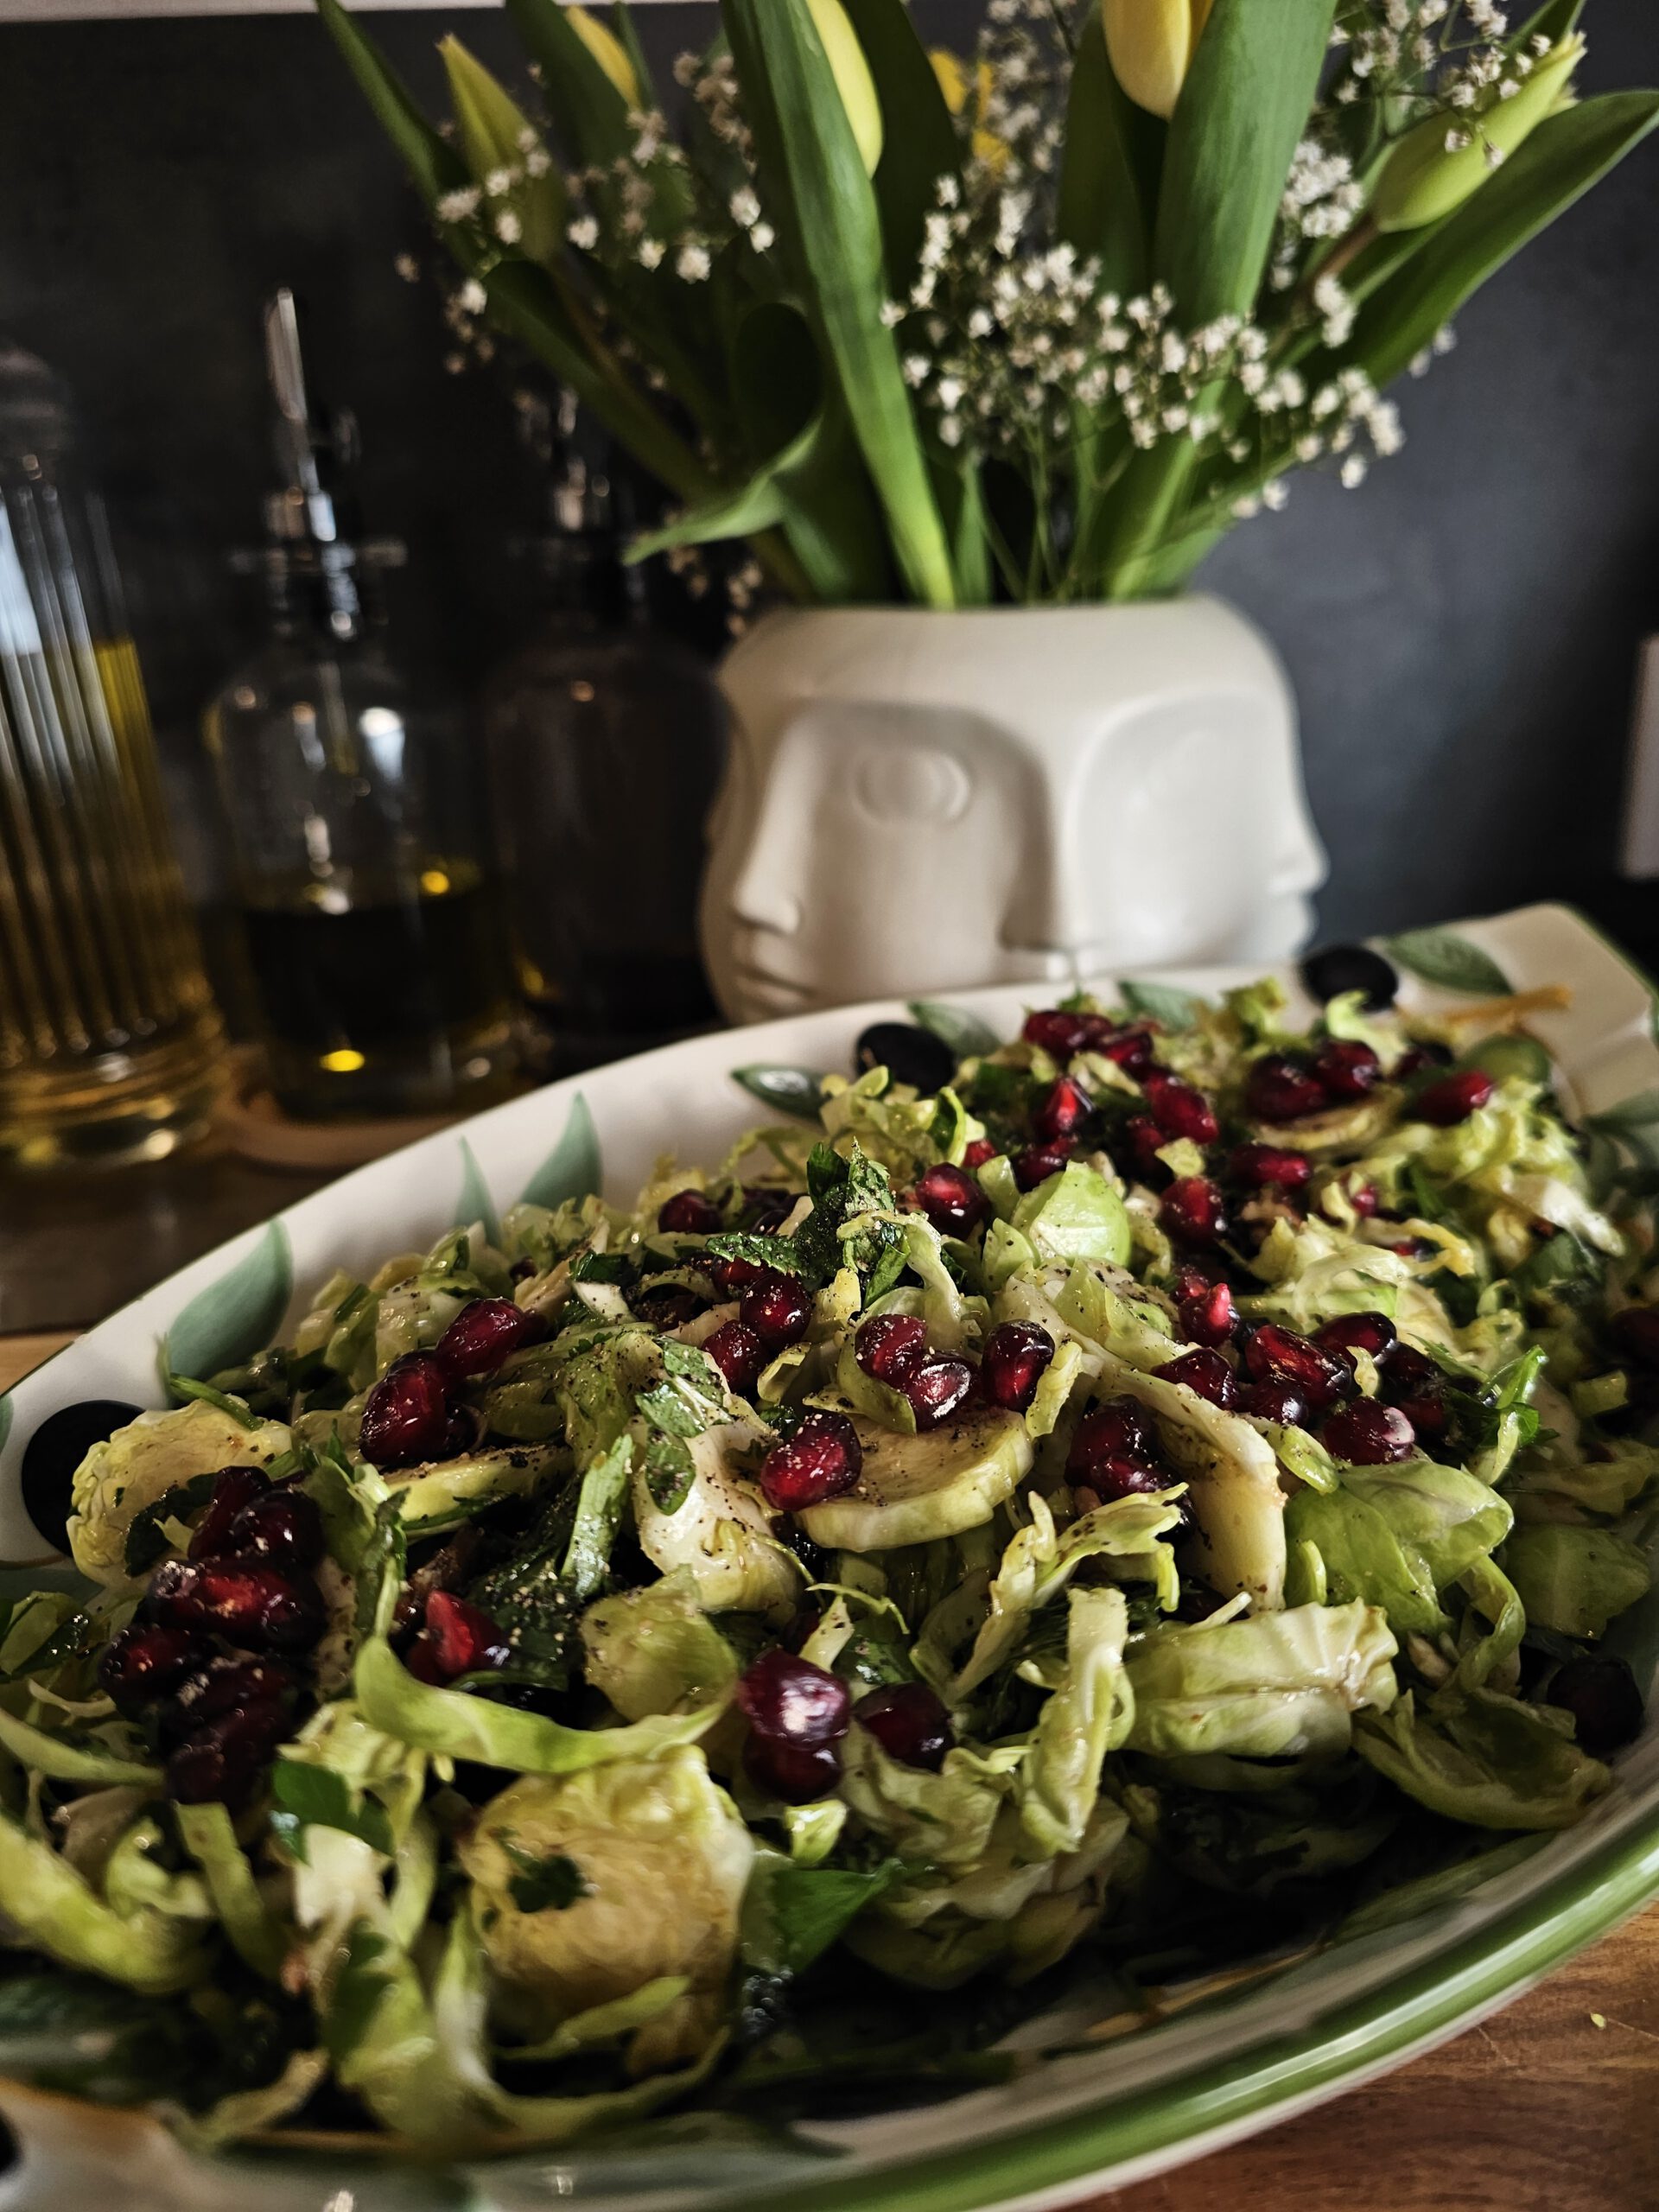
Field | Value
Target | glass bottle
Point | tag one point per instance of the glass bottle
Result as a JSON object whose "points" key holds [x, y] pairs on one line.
{"points": [[110, 1046], [357, 827], [606, 741]]}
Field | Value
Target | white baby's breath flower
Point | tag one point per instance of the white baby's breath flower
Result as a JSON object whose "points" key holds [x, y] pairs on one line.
{"points": [[762, 236], [1353, 471], [473, 296], [692, 264], [408, 268], [649, 253], [499, 183], [455, 206], [745, 206], [538, 162], [915, 369], [508, 228], [583, 234]]}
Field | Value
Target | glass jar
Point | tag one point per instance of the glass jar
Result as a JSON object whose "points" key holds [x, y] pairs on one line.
{"points": [[110, 1046], [605, 742]]}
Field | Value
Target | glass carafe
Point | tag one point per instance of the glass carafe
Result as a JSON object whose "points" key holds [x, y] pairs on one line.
{"points": [[357, 822], [110, 1046]]}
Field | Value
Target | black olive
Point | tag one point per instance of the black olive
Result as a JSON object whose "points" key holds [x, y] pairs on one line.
{"points": [[909, 1053], [1601, 1696], [53, 1454], [1336, 968]]}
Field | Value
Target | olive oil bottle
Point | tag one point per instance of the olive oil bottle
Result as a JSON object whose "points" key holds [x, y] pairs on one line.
{"points": [[373, 940], [110, 1046]]}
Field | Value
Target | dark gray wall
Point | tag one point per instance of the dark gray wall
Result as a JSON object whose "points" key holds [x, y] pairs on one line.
{"points": [[1460, 631]]}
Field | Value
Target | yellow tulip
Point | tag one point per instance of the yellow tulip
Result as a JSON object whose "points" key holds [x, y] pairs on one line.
{"points": [[852, 75], [496, 139], [953, 83], [1152, 44], [608, 51], [1424, 179]]}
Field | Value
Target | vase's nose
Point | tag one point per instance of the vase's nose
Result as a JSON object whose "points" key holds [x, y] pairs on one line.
{"points": [[1050, 914]]}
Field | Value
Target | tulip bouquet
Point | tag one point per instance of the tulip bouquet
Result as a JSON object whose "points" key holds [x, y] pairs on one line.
{"points": [[1036, 325]]}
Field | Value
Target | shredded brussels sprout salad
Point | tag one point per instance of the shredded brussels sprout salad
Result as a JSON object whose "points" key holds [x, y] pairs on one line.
{"points": [[1150, 1504]]}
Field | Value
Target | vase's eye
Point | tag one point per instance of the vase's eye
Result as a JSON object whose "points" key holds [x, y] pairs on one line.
{"points": [[895, 782]]}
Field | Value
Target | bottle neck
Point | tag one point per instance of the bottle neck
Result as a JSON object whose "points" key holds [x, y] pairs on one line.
{"points": [[314, 595]]}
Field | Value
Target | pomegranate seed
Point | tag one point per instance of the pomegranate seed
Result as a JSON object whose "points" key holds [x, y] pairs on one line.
{"points": [[282, 1530], [978, 1153], [1453, 1098], [666, 1305], [1060, 1033], [218, 1766], [1371, 1333], [1207, 1312], [1603, 1699], [795, 1772], [1262, 1163], [1346, 1068], [1367, 1434], [1063, 1110], [688, 1213], [1119, 1429], [1427, 1416], [952, 1199], [910, 1723], [233, 1488], [1282, 1089], [483, 1335], [1431, 1053], [936, 1388], [458, 1639], [252, 1606], [1016, 1358], [765, 1206], [144, 1661], [1321, 1373], [1145, 1138], [889, 1347], [1179, 1110], [739, 1354], [220, 1686], [820, 1460], [1123, 1476], [730, 1276], [1364, 1201], [1635, 1333], [777, 1308], [408, 1418], [1205, 1372], [791, 1700], [1131, 1050], [1276, 1401], [1193, 1211], [1039, 1162]]}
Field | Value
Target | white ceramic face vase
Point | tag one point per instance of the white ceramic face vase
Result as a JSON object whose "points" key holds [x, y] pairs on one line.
{"points": [[919, 802]]}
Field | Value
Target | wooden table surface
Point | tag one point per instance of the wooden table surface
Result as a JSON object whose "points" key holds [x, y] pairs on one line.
{"points": [[1552, 2106]]}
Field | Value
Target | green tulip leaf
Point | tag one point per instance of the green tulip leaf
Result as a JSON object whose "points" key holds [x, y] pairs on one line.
{"points": [[235, 1316], [805, 144], [1108, 172], [1243, 108], [913, 159], [1563, 157], [574, 1169]]}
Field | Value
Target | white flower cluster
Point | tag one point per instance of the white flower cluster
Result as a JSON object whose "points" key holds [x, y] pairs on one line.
{"points": [[1005, 343]]}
